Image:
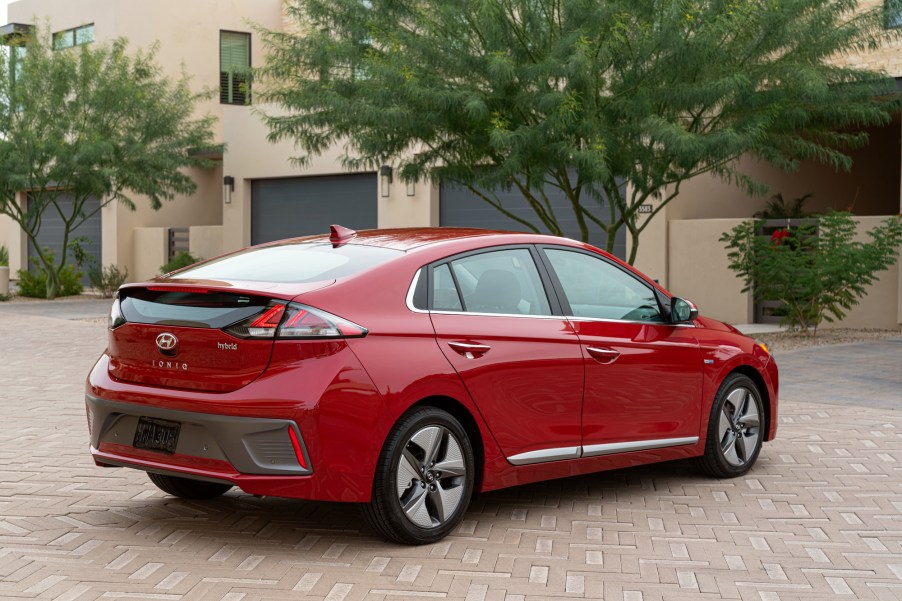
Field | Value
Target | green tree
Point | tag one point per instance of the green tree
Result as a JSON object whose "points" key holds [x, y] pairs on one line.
{"points": [[817, 270], [579, 95], [96, 121]]}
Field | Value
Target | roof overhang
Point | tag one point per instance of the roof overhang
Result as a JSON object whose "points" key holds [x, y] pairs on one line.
{"points": [[12, 33]]}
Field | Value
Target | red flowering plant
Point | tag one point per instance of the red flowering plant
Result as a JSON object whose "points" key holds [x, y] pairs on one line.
{"points": [[778, 236], [818, 270]]}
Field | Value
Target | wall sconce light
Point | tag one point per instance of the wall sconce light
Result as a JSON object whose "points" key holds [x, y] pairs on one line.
{"points": [[385, 178], [228, 184], [411, 188]]}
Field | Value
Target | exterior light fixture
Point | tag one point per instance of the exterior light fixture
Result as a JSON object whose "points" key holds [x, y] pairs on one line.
{"points": [[411, 188], [385, 177], [228, 184]]}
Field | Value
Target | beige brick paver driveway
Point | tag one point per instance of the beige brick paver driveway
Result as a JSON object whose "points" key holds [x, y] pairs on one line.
{"points": [[819, 517]]}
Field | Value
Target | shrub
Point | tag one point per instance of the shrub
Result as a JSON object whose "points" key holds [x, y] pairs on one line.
{"points": [[4, 256], [106, 280], [817, 270], [35, 284], [180, 260]]}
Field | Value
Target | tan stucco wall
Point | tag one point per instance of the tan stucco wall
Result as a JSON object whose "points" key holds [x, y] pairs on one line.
{"points": [[187, 34], [204, 207], [887, 58], [251, 157], [699, 269], [205, 241], [150, 250], [881, 307], [15, 241], [870, 188]]}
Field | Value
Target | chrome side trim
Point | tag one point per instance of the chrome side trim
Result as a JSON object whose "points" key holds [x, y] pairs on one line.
{"points": [[644, 323], [595, 450], [521, 315], [544, 455]]}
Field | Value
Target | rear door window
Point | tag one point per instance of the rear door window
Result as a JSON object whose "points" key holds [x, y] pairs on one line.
{"points": [[498, 282]]}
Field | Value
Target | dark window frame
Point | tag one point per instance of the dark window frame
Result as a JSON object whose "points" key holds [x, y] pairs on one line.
{"points": [[230, 82], [73, 32], [892, 14]]}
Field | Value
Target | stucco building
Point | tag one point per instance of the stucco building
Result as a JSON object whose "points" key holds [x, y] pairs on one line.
{"points": [[256, 194]]}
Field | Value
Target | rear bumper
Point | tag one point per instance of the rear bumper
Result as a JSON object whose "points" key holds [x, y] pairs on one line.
{"points": [[241, 437], [224, 444]]}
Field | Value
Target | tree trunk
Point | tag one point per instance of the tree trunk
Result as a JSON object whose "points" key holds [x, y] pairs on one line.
{"points": [[53, 282]]}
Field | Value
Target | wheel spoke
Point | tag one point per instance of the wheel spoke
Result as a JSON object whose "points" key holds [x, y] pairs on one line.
{"points": [[750, 443], [415, 508], [408, 471], [445, 501], [429, 439], [749, 416], [728, 446], [724, 423], [452, 464], [735, 401], [742, 451]]}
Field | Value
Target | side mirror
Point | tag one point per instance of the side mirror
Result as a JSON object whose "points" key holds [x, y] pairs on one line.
{"points": [[682, 311]]}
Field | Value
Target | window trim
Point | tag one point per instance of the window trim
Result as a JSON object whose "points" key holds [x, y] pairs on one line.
{"points": [[565, 303], [250, 62]]}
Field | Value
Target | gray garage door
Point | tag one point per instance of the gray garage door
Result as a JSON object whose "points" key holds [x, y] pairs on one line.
{"points": [[461, 208], [52, 228], [285, 208]]}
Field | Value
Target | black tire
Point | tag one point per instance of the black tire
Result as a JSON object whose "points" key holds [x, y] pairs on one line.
{"points": [[385, 513], [732, 421], [186, 488]]}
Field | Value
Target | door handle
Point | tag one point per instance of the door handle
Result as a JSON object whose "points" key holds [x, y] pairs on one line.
{"points": [[603, 355], [470, 350]]}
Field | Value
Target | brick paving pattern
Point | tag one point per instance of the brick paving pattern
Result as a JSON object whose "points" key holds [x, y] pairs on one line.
{"points": [[820, 517]]}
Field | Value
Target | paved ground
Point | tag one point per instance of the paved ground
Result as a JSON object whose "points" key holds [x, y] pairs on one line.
{"points": [[60, 309], [819, 517]]}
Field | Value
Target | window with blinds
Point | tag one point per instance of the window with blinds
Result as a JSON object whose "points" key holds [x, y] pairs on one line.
{"points": [[234, 62]]}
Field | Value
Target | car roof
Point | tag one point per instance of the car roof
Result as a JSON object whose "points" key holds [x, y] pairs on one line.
{"points": [[406, 239]]}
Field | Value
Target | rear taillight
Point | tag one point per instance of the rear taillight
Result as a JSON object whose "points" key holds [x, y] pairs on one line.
{"points": [[116, 318], [295, 321], [262, 325], [302, 321]]}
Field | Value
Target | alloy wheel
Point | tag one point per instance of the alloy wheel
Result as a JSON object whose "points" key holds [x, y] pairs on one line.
{"points": [[739, 426], [431, 477]]}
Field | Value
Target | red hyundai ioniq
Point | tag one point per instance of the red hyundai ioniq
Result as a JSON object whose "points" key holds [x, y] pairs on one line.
{"points": [[407, 369]]}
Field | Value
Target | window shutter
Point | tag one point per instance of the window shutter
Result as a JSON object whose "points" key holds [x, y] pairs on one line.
{"points": [[234, 57]]}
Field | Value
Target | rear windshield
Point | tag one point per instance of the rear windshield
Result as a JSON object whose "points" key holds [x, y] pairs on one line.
{"points": [[187, 309], [292, 263]]}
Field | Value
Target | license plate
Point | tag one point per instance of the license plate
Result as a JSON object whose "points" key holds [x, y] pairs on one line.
{"points": [[157, 435]]}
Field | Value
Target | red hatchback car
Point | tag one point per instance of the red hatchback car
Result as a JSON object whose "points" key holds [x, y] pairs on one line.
{"points": [[407, 369]]}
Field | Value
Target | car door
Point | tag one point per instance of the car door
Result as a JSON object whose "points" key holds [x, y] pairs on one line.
{"points": [[643, 375], [521, 363]]}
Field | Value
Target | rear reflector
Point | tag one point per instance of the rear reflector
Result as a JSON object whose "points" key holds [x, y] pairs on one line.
{"points": [[299, 453]]}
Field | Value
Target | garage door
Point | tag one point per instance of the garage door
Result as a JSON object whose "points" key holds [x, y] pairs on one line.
{"points": [[52, 229], [461, 208], [286, 208]]}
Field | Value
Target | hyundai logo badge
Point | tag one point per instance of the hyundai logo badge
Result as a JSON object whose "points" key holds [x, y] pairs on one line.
{"points": [[168, 344]]}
